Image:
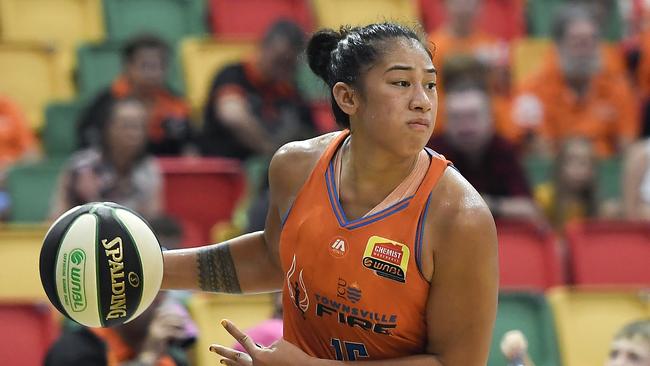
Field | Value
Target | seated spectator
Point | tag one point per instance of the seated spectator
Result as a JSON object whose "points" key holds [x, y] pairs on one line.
{"points": [[580, 91], [145, 63], [254, 106], [514, 347], [459, 34], [17, 142], [630, 346], [572, 193], [495, 73], [119, 170], [636, 181], [159, 336], [489, 162]]}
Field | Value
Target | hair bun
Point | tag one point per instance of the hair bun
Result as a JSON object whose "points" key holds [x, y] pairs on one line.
{"points": [[319, 52]]}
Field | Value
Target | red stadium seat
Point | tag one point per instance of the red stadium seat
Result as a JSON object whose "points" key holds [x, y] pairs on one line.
{"points": [[226, 16], [26, 332], [201, 191], [528, 256], [610, 252], [504, 19]]}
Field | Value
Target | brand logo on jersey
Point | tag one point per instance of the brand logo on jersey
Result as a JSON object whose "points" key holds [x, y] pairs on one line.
{"points": [[350, 292], [338, 248], [355, 317], [297, 288], [387, 258]]}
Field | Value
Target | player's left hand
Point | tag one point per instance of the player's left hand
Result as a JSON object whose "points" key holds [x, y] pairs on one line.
{"points": [[281, 353]]}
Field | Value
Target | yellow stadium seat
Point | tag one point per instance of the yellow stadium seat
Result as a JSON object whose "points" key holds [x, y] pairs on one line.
{"points": [[20, 247], [33, 75], [527, 57], [59, 22], [334, 13], [207, 310], [587, 320], [202, 58]]}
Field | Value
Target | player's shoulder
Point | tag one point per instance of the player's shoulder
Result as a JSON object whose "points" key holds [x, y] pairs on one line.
{"points": [[293, 162], [457, 204], [296, 156]]}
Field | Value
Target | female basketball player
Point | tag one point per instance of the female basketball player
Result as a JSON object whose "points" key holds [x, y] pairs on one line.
{"points": [[383, 252]]}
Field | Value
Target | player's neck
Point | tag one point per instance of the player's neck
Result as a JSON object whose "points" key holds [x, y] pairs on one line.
{"points": [[369, 168]]}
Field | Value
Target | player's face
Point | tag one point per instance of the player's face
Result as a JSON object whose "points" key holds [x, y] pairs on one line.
{"points": [[398, 102], [629, 352]]}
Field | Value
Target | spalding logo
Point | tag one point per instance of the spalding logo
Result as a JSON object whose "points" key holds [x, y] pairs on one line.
{"points": [[115, 262], [76, 279]]}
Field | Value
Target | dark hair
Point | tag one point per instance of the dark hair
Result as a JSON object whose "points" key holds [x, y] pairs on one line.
{"points": [[286, 30], [136, 43], [462, 72], [569, 13], [342, 56]]}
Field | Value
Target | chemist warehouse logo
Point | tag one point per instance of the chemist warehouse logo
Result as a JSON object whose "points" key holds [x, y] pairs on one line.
{"points": [[387, 258]]}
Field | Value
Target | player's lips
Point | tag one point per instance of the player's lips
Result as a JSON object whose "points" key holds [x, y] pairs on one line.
{"points": [[419, 123]]}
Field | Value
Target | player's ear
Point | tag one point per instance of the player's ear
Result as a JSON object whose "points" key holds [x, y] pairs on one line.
{"points": [[346, 98]]}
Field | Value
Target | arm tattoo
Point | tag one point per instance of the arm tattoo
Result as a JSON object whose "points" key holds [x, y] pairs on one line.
{"points": [[217, 271]]}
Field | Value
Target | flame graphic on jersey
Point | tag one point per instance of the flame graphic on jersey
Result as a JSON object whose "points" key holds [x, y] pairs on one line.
{"points": [[297, 289]]}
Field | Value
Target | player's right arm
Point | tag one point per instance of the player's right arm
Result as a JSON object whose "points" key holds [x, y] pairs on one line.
{"points": [[249, 263]]}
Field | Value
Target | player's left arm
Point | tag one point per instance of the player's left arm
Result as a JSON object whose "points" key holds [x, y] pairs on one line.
{"points": [[464, 287]]}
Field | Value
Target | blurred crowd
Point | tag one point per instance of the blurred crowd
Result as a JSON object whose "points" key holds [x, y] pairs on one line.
{"points": [[533, 146]]}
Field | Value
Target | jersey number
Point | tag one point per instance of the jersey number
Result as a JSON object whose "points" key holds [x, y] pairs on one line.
{"points": [[353, 350]]}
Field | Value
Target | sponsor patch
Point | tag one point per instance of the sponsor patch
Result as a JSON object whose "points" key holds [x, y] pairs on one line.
{"points": [[386, 258]]}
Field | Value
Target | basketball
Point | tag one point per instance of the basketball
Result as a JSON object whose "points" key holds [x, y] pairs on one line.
{"points": [[100, 264]]}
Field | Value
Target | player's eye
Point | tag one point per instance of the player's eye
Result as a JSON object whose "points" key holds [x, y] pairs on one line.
{"points": [[431, 85], [402, 83]]}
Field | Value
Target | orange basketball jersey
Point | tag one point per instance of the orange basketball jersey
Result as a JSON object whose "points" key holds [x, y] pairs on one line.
{"points": [[353, 289]]}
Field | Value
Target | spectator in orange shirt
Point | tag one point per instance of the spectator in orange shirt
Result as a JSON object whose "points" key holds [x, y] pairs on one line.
{"points": [[17, 142], [145, 63], [459, 35], [581, 91]]}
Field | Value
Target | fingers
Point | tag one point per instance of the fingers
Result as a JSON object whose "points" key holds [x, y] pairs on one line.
{"points": [[232, 357], [240, 336]]}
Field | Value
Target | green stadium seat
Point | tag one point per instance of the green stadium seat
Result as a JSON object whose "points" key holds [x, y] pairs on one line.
{"points": [[170, 19], [30, 187], [538, 170], [530, 313], [540, 14], [99, 64], [586, 320], [310, 85], [610, 172], [59, 135]]}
